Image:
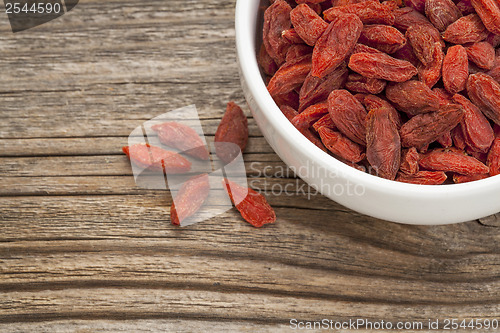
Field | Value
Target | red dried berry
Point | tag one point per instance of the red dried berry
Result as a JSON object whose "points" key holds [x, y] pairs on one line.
{"points": [[482, 54], [455, 69], [308, 25], [442, 13], [233, 128], [489, 11], [409, 161], [382, 66], [290, 76], [276, 20], [484, 92], [157, 159], [413, 97], [348, 115], [383, 145], [361, 84], [336, 43], [190, 198], [493, 160], [423, 178], [252, 206], [382, 37], [476, 129], [467, 29], [370, 12], [426, 128], [340, 145], [431, 73], [181, 137], [452, 161]]}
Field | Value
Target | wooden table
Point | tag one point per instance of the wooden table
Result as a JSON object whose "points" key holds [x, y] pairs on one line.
{"points": [[83, 249]]}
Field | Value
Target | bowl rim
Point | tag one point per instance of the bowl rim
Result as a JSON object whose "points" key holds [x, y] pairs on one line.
{"points": [[245, 25]]}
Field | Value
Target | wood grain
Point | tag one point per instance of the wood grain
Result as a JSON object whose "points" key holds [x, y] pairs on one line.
{"points": [[84, 249]]}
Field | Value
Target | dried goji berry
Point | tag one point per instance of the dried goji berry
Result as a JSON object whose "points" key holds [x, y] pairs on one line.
{"points": [[409, 161], [458, 137], [310, 115], [442, 13], [493, 39], [482, 54], [289, 76], [157, 159], [382, 66], [476, 129], [426, 128], [484, 92], [431, 73], [489, 11], [382, 37], [302, 128], [452, 161], [340, 145], [418, 5], [233, 128], [445, 140], [326, 121], [459, 179], [297, 51], [362, 48], [370, 12], [465, 7], [407, 17], [276, 20], [316, 89], [292, 36], [181, 137], [467, 29], [359, 83], [422, 38], [265, 61], [444, 96], [455, 69], [413, 97], [336, 43], [290, 99], [252, 206], [423, 178], [308, 25], [383, 145], [493, 160], [348, 115], [190, 198], [406, 53]]}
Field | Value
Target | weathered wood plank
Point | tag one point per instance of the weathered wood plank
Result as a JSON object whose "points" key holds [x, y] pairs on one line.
{"points": [[332, 239], [163, 266], [88, 146]]}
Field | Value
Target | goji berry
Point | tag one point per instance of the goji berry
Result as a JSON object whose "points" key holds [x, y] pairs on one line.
{"points": [[348, 115], [382, 37], [423, 178], [413, 97], [190, 198], [476, 129], [369, 11], [383, 145], [382, 66], [359, 83], [484, 92], [233, 128], [252, 206], [290, 76], [307, 23], [493, 159], [455, 69], [276, 20], [336, 43], [442, 13], [452, 161], [409, 161], [489, 12], [181, 137], [426, 128], [459, 179], [431, 73], [340, 145], [157, 159], [482, 54], [467, 29]]}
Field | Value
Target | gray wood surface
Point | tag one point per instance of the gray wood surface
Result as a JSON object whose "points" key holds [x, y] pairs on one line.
{"points": [[83, 249]]}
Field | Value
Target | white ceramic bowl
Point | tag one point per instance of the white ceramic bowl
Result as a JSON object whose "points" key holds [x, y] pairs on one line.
{"points": [[362, 192]]}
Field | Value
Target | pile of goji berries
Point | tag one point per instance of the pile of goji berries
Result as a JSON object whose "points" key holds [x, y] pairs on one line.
{"points": [[410, 94], [232, 129]]}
